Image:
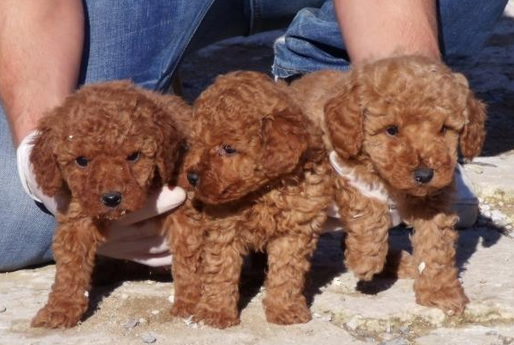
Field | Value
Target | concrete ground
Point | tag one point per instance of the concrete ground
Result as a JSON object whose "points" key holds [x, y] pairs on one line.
{"points": [[135, 311]]}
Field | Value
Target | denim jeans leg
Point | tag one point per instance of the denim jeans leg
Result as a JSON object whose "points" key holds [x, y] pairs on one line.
{"points": [[313, 40], [25, 230]]}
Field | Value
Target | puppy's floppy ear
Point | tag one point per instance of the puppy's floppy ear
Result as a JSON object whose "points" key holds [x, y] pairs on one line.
{"points": [[473, 135], [168, 125], [344, 119], [44, 162], [284, 138]]}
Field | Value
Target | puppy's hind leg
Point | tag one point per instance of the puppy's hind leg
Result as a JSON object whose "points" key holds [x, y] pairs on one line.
{"points": [[74, 249]]}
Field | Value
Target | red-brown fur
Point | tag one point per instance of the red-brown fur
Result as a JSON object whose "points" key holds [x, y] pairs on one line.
{"points": [[270, 196], [434, 110], [106, 123]]}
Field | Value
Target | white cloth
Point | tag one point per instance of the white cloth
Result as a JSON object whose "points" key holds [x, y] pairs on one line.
{"points": [[375, 191]]}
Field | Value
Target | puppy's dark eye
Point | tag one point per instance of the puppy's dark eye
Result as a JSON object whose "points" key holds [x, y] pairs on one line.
{"points": [[81, 161], [392, 131], [444, 129], [229, 150], [133, 157]]}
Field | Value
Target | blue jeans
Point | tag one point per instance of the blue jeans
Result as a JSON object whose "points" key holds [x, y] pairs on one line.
{"points": [[313, 41], [140, 40]]}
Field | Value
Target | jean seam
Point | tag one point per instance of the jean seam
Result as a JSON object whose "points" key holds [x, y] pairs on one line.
{"points": [[165, 78], [256, 16]]}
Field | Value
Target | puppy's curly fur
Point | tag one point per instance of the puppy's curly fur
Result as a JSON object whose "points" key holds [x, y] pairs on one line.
{"points": [[396, 125], [259, 170], [106, 138]]}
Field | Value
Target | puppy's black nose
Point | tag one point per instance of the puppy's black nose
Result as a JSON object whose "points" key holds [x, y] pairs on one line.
{"points": [[111, 199], [193, 178], [423, 175]]}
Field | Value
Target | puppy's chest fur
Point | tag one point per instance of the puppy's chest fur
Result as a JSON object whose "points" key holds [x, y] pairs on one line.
{"points": [[289, 207]]}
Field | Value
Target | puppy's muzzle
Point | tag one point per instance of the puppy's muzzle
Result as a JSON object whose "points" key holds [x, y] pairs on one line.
{"points": [[193, 178], [111, 199], [423, 175]]}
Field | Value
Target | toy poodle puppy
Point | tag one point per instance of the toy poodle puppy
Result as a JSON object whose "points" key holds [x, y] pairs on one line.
{"points": [[259, 171], [103, 150], [393, 128]]}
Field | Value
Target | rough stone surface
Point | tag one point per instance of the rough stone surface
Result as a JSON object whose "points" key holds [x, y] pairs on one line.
{"points": [[345, 311]]}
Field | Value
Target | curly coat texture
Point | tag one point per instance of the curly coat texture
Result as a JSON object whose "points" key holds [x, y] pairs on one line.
{"points": [[260, 175], [387, 121], [106, 138]]}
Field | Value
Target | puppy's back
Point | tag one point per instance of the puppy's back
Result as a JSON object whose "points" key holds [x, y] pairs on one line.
{"points": [[311, 93]]}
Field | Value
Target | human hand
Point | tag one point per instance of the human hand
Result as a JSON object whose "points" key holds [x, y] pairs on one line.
{"points": [[136, 237]]}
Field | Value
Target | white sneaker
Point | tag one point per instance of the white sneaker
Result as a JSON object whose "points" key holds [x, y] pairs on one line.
{"points": [[465, 203]]}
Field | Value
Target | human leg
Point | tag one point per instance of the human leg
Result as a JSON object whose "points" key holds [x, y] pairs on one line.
{"points": [[313, 40]]}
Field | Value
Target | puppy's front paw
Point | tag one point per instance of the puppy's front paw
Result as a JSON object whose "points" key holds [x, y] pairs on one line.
{"points": [[288, 314], [51, 317], [183, 309], [221, 318], [451, 300]]}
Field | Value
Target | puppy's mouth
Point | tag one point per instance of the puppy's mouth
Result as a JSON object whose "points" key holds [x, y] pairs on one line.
{"points": [[111, 213], [214, 199]]}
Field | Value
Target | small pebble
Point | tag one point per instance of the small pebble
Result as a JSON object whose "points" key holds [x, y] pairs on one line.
{"points": [[387, 336], [131, 324], [353, 323], [395, 341], [485, 207], [155, 312], [171, 298], [316, 315], [142, 320], [404, 329], [2, 309], [497, 215], [327, 318], [149, 338], [124, 296], [188, 321]]}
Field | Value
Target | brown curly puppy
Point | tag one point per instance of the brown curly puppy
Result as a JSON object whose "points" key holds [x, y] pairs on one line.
{"points": [[259, 168], [395, 127], [103, 150]]}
